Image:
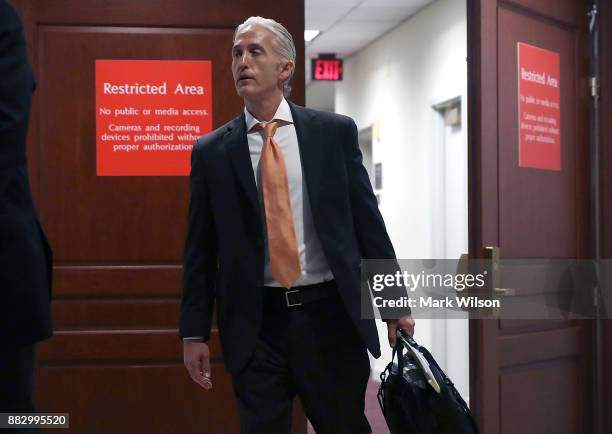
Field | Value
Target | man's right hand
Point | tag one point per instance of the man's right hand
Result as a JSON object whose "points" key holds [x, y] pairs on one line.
{"points": [[196, 357]]}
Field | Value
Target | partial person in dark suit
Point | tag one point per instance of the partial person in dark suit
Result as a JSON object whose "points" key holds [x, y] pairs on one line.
{"points": [[281, 214], [25, 257]]}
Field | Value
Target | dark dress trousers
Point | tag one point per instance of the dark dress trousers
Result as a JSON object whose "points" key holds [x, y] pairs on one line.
{"points": [[25, 256], [224, 253]]}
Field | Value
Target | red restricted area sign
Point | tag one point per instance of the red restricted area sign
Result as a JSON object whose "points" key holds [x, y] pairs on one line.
{"points": [[149, 113], [539, 105]]}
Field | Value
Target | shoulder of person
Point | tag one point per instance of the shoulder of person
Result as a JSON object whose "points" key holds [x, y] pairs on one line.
{"points": [[10, 22], [325, 117], [7, 12], [212, 141], [12, 40]]}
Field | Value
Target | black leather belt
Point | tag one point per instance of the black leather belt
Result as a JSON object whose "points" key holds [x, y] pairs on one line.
{"points": [[300, 295]]}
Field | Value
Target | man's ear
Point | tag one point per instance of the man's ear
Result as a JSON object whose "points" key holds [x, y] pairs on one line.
{"points": [[286, 70]]}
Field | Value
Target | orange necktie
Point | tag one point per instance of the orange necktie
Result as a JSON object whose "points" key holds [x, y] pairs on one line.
{"points": [[282, 242]]}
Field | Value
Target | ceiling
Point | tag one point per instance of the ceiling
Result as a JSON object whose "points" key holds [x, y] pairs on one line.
{"points": [[348, 25]]}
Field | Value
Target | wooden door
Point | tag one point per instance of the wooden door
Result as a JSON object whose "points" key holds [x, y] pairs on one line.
{"points": [[115, 362], [528, 376]]}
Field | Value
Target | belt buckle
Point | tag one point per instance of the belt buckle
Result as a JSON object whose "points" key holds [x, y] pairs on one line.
{"points": [[289, 304]]}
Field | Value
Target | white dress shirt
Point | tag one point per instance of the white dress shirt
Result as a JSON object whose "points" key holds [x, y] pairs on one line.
{"points": [[315, 268]]}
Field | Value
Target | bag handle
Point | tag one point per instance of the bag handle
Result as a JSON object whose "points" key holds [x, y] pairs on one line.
{"points": [[399, 349]]}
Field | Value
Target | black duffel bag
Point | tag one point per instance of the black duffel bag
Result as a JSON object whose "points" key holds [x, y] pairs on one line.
{"points": [[412, 403]]}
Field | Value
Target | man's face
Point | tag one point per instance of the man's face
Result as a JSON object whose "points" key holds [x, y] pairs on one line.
{"points": [[256, 67]]}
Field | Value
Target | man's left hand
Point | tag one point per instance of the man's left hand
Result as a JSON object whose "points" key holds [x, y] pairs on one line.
{"points": [[405, 323]]}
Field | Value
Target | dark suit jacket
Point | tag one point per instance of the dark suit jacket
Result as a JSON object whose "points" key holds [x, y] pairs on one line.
{"points": [[25, 257], [224, 253]]}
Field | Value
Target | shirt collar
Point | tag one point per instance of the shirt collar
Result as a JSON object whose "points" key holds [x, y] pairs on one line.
{"points": [[283, 113]]}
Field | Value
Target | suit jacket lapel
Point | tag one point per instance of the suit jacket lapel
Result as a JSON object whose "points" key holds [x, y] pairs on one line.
{"points": [[310, 142], [237, 148]]}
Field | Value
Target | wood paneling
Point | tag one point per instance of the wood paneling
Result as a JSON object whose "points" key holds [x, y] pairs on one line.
{"points": [[108, 281], [101, 314], [528, 347], [117, 346], [567, 12], [98, 220], [531, 396], [152, 399], [517, 326], [542, 222]]}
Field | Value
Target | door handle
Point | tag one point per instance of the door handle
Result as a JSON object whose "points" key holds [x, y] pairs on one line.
{"points": [[493, 254]]}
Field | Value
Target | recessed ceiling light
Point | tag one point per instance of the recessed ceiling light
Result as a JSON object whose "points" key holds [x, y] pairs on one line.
{"points": [[309, 35]]}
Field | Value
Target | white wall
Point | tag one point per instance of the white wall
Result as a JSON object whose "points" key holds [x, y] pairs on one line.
{"points": [[320, 95], [395, 81]]}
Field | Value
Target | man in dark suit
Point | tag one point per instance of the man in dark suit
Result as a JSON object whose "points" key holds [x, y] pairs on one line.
{"points": [[25, 257], [281, 214]]}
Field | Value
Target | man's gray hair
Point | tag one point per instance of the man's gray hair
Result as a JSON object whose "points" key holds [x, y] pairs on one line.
{"points": [[285, 48]]}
